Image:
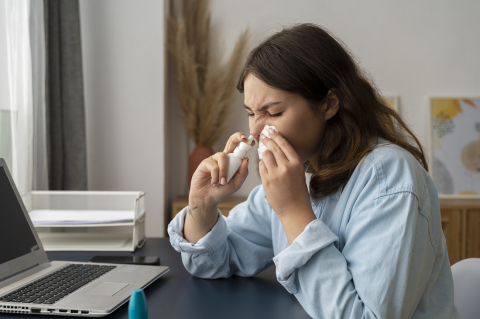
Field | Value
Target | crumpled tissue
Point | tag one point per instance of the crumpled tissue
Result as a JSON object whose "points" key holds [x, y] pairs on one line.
{"points": [[261, 146]]}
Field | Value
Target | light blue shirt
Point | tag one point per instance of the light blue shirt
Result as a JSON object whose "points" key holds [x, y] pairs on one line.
{"points": [[376, 249]]}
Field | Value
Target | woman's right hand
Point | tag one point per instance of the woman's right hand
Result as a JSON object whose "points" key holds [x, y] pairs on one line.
{"points": [[209, 180], [208, 188]]}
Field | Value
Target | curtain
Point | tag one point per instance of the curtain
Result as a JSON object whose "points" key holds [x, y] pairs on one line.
{"points": [[26, 73], [37, 43], [5, 127], [64, 96], [20, 89]]}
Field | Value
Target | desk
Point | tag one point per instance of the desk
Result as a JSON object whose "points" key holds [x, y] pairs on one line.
{"points": [[177, 294]]}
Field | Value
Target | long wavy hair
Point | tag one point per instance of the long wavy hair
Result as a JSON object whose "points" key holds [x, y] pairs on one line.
{"points": [[307, 60]]}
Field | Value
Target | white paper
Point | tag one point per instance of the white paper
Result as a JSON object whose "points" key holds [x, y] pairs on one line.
{"points": [[72, 217]]}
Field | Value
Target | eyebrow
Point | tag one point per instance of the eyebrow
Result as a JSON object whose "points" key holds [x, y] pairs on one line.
{"points": [[264, 107]]}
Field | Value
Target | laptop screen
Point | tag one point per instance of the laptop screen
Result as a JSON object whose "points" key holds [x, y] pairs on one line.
{"points": [[15, 234]]}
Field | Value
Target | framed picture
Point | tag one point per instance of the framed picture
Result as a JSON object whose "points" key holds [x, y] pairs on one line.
{"points": [[455, 145], [392, 101]]}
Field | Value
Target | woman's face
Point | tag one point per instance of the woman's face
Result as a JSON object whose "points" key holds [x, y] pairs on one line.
{"points": [[290, 113]]}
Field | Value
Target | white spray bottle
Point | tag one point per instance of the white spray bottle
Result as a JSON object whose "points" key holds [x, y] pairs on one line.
{"points": [[235, 158]]}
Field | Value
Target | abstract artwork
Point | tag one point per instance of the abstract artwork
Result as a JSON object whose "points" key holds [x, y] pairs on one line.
{"points": [[455, 145]]}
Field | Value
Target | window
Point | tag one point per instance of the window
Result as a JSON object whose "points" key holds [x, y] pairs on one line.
{"points": [[5, 121]]}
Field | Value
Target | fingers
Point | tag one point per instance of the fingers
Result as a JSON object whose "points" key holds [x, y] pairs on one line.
{"points": [[243, 170], [279, 146], [269, 160], [211, 166], [241, 174], [233, 142], [275, 150], [262, 169], [217, 165], [223, 164]]}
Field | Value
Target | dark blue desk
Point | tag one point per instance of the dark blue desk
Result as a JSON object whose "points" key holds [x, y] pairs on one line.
{"points": [[177, 294]]}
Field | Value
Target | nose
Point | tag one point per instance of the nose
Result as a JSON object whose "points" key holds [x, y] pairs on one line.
{"points": [[256, 127]]}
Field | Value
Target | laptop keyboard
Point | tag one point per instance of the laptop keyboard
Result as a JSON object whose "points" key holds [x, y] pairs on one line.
{"points": [[57, 285]]}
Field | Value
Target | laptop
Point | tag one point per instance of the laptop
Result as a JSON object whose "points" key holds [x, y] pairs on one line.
{"points": [[31, 284]]}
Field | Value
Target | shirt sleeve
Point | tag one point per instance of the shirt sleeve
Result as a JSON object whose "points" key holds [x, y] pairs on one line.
{"points": [[239, 244], [387, 262]]}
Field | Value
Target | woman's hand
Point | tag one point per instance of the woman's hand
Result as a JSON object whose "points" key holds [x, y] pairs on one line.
{"points": [[209, 182], [283, 179], [209, 187]]}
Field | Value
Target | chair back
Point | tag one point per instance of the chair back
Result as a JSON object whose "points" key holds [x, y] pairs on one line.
{"points": [[466, 284]]}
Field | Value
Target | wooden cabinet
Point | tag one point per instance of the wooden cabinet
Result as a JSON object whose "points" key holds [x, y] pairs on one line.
{"points": [[225, 206], [461, 226], [472, 242], [451, 225], [460, 223]]}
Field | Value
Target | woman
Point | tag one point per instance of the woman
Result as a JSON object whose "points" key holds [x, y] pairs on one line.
{"points": [[365, 239]]}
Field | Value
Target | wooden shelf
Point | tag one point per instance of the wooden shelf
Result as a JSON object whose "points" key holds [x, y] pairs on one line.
{"points": [[461, 226]]}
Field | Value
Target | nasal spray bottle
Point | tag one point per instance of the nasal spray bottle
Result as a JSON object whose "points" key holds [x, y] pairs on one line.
{"points": [[137, 307], [235, 158]]}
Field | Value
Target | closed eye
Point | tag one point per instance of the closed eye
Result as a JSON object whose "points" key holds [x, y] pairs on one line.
{"points": [[270, 115]]}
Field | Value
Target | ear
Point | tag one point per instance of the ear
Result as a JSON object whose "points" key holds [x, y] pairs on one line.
{"points": [[332, 104]]}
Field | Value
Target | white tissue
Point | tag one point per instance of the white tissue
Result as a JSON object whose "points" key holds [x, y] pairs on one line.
{"points": [[261, 146]]}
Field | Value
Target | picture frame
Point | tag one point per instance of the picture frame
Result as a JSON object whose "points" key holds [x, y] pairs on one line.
{"points": [[454, 145]]}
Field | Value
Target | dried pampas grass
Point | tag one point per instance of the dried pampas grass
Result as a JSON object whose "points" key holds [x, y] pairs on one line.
{"points": [[205, 88]]}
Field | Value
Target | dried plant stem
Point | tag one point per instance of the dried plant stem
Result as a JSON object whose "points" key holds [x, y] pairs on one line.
{"points": [[205, 88]]}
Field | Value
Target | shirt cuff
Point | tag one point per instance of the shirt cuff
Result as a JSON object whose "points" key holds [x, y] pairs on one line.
{"points": [[207, 245], [316, 236]]}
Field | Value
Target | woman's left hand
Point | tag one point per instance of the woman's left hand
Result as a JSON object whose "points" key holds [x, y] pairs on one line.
{"points": [[283, 177]]}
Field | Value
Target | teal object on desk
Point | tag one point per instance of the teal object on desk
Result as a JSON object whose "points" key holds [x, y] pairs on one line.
{"points": [[137, 307]]}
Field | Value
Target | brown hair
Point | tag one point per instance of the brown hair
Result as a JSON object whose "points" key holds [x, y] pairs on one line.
{"points": [[307, 60]]}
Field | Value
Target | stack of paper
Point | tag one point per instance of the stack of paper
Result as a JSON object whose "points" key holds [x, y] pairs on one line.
{"points": [[73, 217]]}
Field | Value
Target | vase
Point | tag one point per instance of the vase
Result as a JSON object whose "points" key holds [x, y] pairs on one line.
{"points": [[198, 155]]}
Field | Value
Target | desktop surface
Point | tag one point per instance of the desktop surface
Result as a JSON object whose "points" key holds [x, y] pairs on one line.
{"points": [[177, 294]]}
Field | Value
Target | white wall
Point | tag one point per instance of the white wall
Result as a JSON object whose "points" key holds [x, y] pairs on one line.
{"points": [[124, 77], [411, 48]]}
